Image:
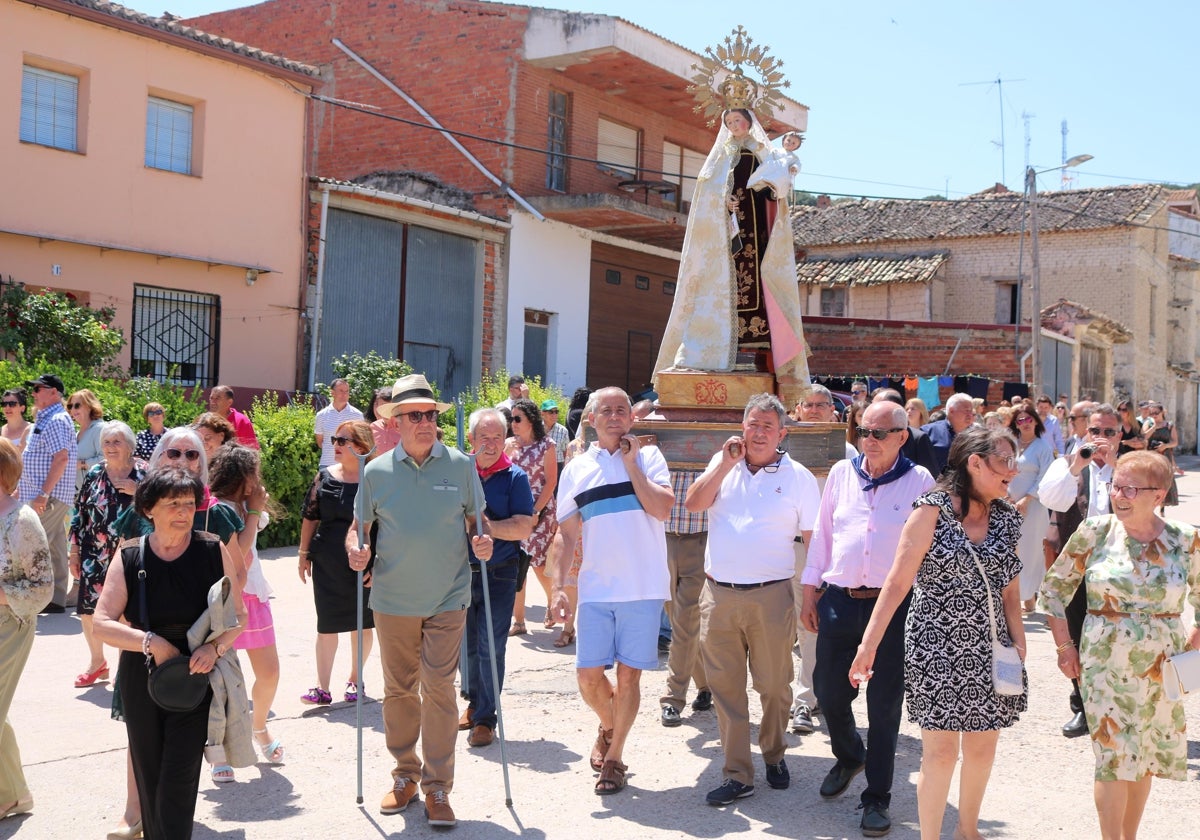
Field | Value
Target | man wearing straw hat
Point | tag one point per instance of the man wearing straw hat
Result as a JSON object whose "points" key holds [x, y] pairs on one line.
{"points": [[422, 495]]}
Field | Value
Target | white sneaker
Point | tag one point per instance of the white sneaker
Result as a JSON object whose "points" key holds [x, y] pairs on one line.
{"points": [[802, 720]]}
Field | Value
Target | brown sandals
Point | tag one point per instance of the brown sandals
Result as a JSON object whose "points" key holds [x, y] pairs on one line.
{"points": [[600, 748], [612, 777]]}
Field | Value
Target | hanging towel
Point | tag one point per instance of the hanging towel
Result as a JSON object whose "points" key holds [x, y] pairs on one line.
{"points": [[876, 382], [928, 392], [945, 381], [976, 386], [911, 383], [1015, 389]]}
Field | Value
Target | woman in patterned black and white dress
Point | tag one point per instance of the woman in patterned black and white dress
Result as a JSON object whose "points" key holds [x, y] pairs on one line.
{"points": [[947, 645]]}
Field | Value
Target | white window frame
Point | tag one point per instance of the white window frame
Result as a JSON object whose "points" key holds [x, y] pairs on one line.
{"points": [[169, 135], [49, 108]]}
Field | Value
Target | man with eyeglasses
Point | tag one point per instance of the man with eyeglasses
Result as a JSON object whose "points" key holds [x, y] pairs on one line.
{"points": [[47, 485], [1076, 487], [866, 502], [960, 415], [422, 495], [1077, 425], [618, 495], [759, 501], [918, 448]]}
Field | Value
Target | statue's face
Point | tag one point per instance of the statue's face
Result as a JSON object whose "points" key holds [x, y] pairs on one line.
{"points": [[737, 124]]}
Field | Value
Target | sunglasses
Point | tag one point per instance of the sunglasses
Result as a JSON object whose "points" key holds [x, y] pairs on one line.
{"points": [[338, 440], [878, 434], [1096, 430], [1128, 490], [1024, 420], [38, 388], [154, 412], [74, 406], [9, 404], [176, 454], [517, 418], [416, 417]]}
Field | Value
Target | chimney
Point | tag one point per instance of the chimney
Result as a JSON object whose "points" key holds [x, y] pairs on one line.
{"points": [[823, 202]]}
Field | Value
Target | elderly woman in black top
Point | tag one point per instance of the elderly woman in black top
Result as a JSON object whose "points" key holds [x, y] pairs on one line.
{"points": [[180, 567]]}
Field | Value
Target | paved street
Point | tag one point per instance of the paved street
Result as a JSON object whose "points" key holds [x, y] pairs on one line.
{"points": [[75, 758]]}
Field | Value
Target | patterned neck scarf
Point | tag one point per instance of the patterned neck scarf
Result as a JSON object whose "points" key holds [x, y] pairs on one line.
{"points": [[902, 466]]}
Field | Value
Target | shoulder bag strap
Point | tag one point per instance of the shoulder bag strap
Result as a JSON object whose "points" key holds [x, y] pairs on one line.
{"points": [[988, 586], [141, 577]]}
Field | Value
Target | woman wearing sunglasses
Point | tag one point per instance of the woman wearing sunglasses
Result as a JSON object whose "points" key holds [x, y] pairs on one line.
{"points": [[16, 428], [1163, 439], [85, 409], [328, 512], [153, 413], [1136, 569], [1034, 457]]}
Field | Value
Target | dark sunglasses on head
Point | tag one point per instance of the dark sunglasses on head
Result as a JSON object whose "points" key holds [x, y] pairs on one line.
{"points": [[1096, 430], [338, 440], [9, 404], [176, 454], [417, 416], [878, 434]]}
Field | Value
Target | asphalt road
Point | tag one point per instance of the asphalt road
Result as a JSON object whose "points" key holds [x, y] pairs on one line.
{"points": [[74, 756]]}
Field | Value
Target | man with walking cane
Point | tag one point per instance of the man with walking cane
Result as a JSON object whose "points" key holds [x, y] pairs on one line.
{"points": [[422, 496], [510, 519]]}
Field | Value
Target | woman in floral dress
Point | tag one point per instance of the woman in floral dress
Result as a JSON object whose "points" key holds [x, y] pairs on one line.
{"points": [[106, 493], [532, 450], [1137, 569]]}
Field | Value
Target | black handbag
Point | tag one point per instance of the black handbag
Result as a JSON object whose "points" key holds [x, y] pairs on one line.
{"points": [[172, 686]]}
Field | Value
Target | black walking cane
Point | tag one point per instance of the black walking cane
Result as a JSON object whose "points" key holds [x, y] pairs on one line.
{"points": [[477, 489], [362, 462]]}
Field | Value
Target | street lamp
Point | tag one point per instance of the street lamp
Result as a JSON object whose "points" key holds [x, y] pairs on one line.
{"points": [[1031, 198]]}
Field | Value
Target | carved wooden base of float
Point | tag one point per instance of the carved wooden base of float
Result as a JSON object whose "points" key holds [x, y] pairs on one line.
{"points": [[705, 390], [689, 445]]}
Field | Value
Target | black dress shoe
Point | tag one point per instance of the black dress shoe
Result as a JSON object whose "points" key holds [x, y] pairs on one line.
{"points": [[703, 701], [670, 715], [52, 609], [876, 821], [838, 779], [778, 776], [1076, 727]]}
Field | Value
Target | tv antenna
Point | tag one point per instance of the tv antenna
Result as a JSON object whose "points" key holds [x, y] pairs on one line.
{"points": [[999, 83]]}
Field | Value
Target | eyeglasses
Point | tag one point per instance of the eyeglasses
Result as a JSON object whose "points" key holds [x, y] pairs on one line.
{"points": [[176, 454], [878, 434], [1024, 420], [338, 440], [1096, 430], [154, 412], [415, 417], [1128, 491], [37, 388], [1007, 460], [815, 404], [74, 406], [9, 404]]}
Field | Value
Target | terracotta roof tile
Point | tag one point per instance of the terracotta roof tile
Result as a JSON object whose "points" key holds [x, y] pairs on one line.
{"points": [[870, 271], [173, 26], [863, 221]]}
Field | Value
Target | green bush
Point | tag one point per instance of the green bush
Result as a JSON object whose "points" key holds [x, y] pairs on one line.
{"points": [[55, 326], [493, 389], [366, 374], [289, 461], [121, 399]]}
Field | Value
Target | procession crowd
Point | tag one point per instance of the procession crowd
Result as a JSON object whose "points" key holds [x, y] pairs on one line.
{"points": [[905, 573]]}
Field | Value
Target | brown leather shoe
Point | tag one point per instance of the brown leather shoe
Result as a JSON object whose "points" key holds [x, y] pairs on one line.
{"points": [[464, 720], [438, 811], [480, 736], [397, 799]]}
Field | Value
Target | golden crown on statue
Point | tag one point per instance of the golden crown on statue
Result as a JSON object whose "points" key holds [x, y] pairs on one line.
{"points": [[720, 82]]}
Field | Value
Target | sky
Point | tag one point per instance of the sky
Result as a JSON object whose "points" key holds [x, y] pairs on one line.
{"points": [[903, 96]]}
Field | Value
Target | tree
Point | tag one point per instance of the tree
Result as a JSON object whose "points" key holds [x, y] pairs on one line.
{"points": [[54, 325]]}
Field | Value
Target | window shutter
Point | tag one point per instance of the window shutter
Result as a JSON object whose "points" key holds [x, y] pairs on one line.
{"points": [[617, 148]]}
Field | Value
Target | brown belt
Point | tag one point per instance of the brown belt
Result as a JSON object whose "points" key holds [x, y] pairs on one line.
{"points": [[1116, 614], [861, 593]]}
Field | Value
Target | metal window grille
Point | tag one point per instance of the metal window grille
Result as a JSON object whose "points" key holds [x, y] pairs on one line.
{"points": [[169, 135], [176, 336], [556, 142], [49, 108]]}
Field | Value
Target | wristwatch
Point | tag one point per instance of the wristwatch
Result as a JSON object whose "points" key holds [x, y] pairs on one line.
{"points": [[220, 649]]}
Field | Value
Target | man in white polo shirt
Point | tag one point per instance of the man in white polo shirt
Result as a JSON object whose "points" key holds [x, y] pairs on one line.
{"points": [[618, 493], [333, 415], [758, 501]]}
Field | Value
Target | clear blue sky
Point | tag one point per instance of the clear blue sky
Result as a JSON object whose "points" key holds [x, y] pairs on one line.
{"points": [[892, 110]]}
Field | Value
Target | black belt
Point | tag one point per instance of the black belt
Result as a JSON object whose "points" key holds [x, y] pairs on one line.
{"points": [[493, 566], [743, 586], [862, 593]]}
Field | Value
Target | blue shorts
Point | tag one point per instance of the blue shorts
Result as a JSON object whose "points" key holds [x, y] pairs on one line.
{"points": [[618, 631]]}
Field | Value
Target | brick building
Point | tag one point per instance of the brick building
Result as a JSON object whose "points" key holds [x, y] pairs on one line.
{"points": [[577, 135], [1107, 250]]}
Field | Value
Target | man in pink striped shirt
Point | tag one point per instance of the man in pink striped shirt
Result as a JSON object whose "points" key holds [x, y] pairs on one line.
{"points": [[866, 502]]}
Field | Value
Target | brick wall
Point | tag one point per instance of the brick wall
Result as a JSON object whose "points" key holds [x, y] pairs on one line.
{"points": [[857, 347]]}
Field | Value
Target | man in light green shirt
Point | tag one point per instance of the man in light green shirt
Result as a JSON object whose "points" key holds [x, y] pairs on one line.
{"points": [[424, 497]]}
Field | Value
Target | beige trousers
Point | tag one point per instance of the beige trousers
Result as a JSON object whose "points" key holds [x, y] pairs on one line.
{"points": [[16, 640], [685, 564]]}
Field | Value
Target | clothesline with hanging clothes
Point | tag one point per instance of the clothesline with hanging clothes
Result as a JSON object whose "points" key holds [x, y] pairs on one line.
{"points": [[926, 388]]}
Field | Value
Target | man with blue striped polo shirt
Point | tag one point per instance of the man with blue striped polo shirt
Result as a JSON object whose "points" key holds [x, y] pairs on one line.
{"points": [[618, 493]]}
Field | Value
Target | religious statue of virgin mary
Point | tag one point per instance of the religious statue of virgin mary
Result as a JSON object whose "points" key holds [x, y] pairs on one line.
{"points": [[736, 294]]}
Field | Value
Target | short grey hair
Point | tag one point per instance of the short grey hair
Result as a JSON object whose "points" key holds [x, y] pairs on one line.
{"points": [[960, 400], [116, 427], [1107, 410], [766, 402], [822, 390], [481, 414], [168, 441]]}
